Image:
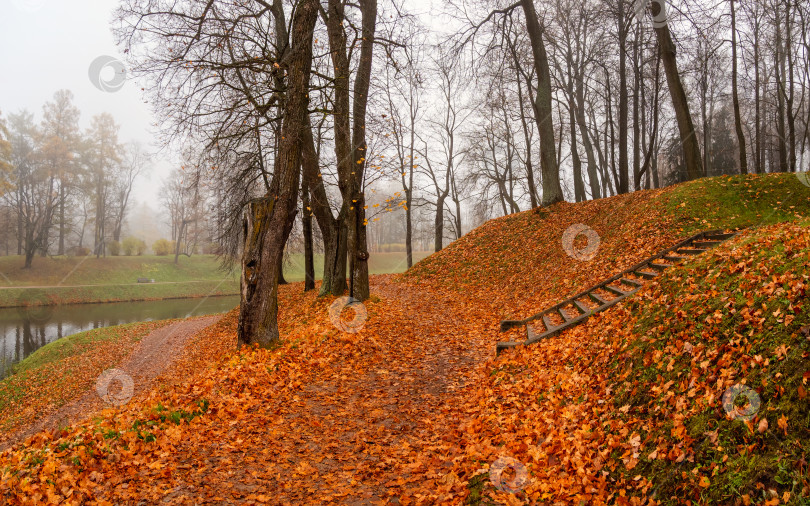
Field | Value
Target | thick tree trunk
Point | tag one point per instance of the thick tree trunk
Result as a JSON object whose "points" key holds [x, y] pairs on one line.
{"points": [[356, 241], [735, 99], [689, 142], [268, 220], [552, 191]]}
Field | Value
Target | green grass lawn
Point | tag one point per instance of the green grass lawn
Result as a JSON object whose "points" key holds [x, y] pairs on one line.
{"points": [[111, 270], [114, 278]]}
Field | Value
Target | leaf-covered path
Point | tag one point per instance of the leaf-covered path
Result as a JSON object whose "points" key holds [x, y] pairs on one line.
{"points": [[356, 430]]}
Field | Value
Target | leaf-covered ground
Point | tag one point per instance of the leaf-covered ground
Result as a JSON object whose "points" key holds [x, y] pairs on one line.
{"points": [[415, 408]]}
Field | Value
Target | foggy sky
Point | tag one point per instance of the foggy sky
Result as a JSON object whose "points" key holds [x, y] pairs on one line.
{"points": [[49, 45]]}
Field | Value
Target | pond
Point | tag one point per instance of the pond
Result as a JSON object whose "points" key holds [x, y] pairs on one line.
{"points": [[24, 330]]}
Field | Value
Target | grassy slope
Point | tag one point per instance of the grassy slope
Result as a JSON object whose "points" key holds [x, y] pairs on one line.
{"points": [[518, 265], [492, 265]]}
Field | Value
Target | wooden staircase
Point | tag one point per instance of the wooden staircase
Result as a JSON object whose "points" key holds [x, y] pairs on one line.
{"points": [[580, 307]]}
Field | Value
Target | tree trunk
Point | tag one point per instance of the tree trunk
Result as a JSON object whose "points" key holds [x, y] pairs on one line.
{"points": [[62, 197], [268, 220], [637, 124], [579, 184], [593, 180], [306, 226], [356, 241], [438, 237], [734, 93], [552, 191], [758, 166], [179, 241], [525, 125], [334, 279], [779, 71], [691, 149], [789, 93], [623, 184]]}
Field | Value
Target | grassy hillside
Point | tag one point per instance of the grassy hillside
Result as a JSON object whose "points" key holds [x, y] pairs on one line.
{"points": [[631, 402], [518, 265]]}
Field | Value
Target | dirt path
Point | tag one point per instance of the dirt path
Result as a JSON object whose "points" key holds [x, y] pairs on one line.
{"points": [[343, 434], [152, 355]]}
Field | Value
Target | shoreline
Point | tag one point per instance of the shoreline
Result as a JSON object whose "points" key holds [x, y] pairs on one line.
{"points": [[22, 297]]}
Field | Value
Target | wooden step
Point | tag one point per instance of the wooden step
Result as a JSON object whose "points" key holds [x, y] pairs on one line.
{"points": [[548, 324], [505, 345], [582, 307], [646, 275], [631, 281], [658, 267], [673, 258], [511, 324], [617, 291], [598, 299], [564, 315]]}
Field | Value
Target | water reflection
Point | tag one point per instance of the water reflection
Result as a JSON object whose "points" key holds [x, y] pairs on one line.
{"points": [[23, 332]]}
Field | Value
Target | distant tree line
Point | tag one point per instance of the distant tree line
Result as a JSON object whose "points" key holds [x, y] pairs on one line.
{"points": [[65, 191]]}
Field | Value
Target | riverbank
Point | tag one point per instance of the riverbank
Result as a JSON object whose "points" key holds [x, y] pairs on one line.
{"points": [[74, 280], [56, 385], [57, 372]]}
